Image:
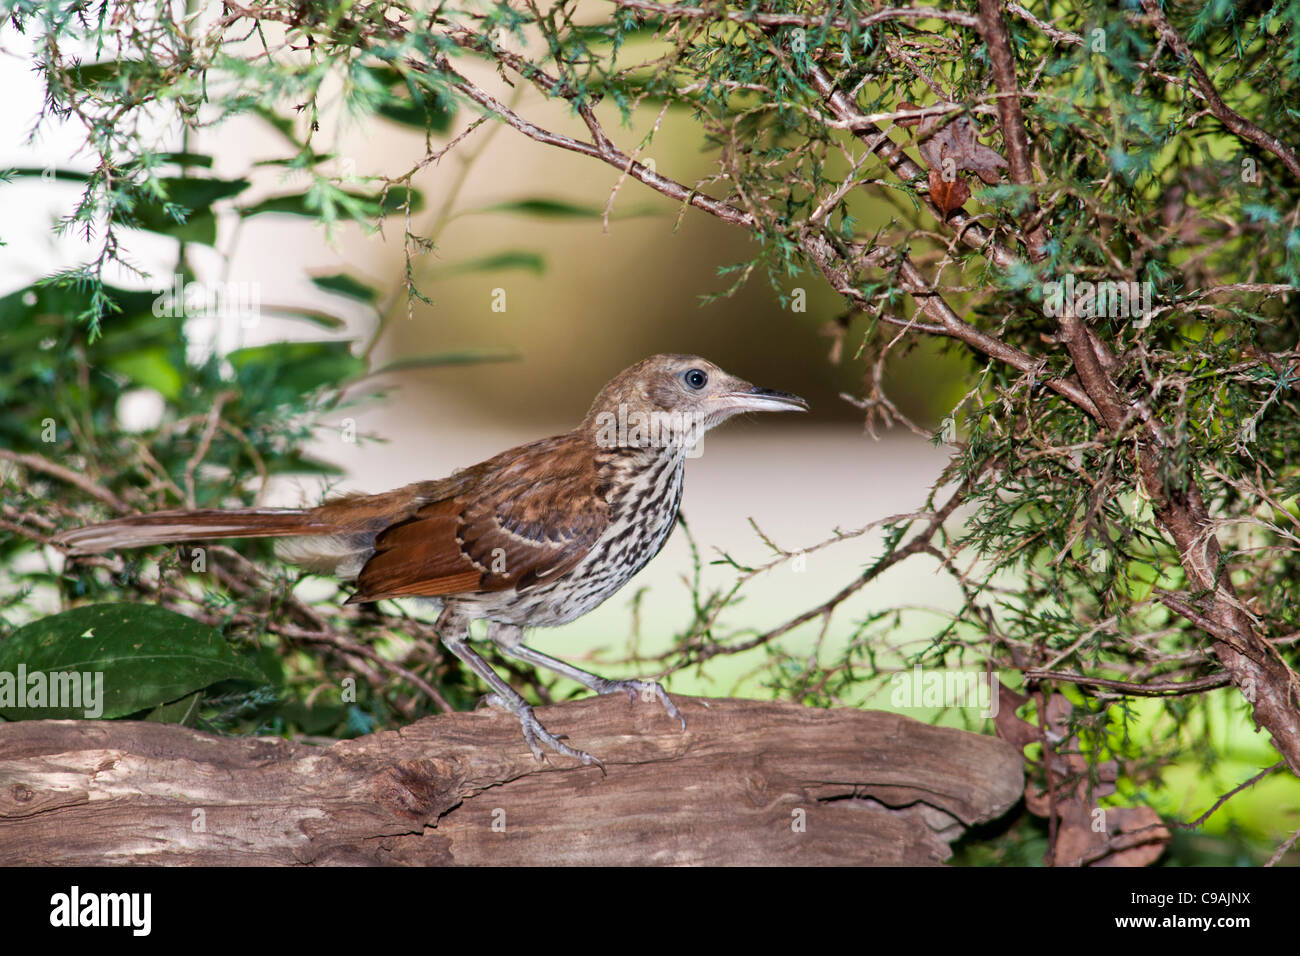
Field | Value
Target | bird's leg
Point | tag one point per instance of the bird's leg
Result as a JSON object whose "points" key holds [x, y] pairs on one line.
{"points": [[509, 638], [453, 629]]}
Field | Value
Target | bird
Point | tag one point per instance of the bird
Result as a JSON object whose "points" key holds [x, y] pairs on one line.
{"points": [[536, 536]]}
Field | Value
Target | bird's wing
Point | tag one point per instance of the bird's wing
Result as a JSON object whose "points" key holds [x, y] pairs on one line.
{"points": [[515, 521]]}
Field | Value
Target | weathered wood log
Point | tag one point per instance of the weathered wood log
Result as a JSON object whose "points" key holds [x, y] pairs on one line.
{"points": [[748, 782]]}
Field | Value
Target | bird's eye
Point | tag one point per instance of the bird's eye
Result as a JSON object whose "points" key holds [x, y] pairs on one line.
{"points": [[695, 378]]}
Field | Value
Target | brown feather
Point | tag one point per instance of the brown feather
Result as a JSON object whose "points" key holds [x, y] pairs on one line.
{"points": [[527, 515], [167, 527]]}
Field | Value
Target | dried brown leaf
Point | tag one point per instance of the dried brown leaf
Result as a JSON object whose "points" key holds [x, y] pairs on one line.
{"points": [[911, 120], [956, 142], [1009, 727], [947, 196]]}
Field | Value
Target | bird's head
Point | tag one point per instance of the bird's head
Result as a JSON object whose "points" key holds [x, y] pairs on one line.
{"points": [[672, 400]]}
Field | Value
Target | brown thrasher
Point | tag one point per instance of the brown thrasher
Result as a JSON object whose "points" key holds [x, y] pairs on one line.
{"points": [[537, 536]]}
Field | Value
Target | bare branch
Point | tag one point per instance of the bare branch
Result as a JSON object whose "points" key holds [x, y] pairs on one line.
{"points": [[1230, 118], [67, 475]]}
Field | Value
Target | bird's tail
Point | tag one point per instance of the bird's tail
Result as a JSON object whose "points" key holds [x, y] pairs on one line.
{"points": [[168, 527]]}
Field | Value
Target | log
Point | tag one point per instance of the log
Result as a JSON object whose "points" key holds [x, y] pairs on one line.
{"points": [[748, 782]]}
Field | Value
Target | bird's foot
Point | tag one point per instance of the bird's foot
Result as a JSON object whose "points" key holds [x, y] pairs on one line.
{"points": [[535, 732], [646, 690]]}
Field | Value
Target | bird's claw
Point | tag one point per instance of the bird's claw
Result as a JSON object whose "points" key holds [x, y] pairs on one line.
{"points": [[534, 731], [535, 734], [644, 690]]}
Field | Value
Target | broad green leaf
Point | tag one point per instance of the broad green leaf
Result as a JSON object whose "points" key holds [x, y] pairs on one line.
{"points": [[296, 204], [341, 283], [319, 718], [111, 76], [559, 209], [194, 197], [199, 227], [502, 260], [291, 205], [296, 463], [412, 99], [326, 320], [298, 164], [420, 115], [283, 372], [150, 368], [141, 655], [185, 159], [182, 711], [67, 175], [461, 357]]}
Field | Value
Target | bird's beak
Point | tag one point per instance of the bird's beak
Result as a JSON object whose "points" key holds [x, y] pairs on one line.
{"points": [[743, 397]]}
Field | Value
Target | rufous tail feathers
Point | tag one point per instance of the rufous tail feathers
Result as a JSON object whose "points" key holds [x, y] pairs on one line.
{"points": [[168, 527]]}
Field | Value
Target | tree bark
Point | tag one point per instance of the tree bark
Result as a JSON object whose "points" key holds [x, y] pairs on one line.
{"points": [[748, 782]]}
